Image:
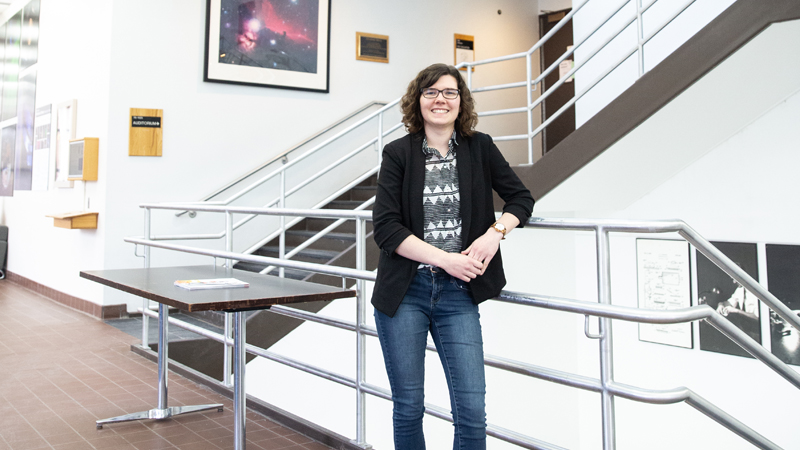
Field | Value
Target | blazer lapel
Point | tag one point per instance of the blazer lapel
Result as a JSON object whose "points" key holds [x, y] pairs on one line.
{"points": [[464, 164], [417, 185]]}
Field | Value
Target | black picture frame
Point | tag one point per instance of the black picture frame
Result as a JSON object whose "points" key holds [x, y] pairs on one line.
{"points": [[783, 263], [281, 44], [715, 286]]}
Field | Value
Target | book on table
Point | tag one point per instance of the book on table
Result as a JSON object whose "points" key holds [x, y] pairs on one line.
{"points": [[211, 283]]}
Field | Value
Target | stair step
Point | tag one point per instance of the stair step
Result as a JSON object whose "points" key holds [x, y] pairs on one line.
{"points": [[336, 242], [317, 224], [371, 181], [359, 193], [255, 267], [307, 234], [310, 253], [343, 204]]}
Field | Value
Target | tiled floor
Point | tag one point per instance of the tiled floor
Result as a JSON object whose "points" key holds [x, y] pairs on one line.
{"points": [[61, 370]]}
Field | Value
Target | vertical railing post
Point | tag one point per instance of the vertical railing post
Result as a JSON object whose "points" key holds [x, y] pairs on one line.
{"points": [[606, 338], [239, 394], [529, 99], [640, 36], [282, 238], [380, 137], [163, 360], [469, 77], [146, 302], [361, 338], [226, 352]]}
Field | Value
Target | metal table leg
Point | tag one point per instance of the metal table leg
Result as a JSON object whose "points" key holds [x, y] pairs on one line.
{"points": [[239, 399], [163, 411]]}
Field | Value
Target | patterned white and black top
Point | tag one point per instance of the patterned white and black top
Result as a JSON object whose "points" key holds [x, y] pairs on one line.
{"points": [[441, 201]]}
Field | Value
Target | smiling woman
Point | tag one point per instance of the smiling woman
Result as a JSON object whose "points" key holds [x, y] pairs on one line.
{"points": [[440, 106], [440, 251]]}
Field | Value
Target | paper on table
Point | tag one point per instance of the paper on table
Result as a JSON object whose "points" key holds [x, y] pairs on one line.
{"points": [[211, 283]]}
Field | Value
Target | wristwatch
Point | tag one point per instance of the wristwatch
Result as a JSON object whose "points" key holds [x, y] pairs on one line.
{"points": [[499, 227]]}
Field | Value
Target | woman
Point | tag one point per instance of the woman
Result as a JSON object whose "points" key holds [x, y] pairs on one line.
{"points": [[435, 225]]}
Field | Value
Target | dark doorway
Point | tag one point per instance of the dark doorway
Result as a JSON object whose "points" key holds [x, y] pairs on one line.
{"points": [[562, 126]]}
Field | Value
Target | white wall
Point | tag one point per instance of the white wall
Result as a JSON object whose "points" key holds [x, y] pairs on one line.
{"points": [[665, 42], [112, 56], [73, 64]]}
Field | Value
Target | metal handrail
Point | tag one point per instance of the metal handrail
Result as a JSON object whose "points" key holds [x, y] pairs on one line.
{"points": [[691, 236], [606, 385], [286, 153]]}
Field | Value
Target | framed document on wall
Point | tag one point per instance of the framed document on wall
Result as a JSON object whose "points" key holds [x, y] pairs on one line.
{"points": [[663, 278], [464, 49], [372, 47]]}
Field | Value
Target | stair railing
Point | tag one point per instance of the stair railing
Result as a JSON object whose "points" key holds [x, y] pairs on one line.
{"points": [[284, 156], [605, 385], [531, 84]]}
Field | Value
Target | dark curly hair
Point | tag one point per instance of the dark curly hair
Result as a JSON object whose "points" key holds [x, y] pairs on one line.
{"points": [[409, 105]]}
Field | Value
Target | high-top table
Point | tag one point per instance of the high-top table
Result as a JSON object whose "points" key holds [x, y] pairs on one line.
{"points": [[157, 284]]}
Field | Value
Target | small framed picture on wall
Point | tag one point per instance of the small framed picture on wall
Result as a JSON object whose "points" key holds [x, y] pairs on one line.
{"points": [[372, 47]]}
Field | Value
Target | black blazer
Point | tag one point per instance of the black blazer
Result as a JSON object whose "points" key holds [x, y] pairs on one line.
{"points": [[398, 211]]}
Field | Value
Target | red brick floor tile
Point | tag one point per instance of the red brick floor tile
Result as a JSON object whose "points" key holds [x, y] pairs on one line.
{"points": [[63, 370]]}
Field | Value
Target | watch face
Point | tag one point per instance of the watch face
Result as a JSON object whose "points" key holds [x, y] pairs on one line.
{"points": [[499, 227]]}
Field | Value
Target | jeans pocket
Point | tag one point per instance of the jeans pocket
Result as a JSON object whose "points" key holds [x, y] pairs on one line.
{"points": [[461, 285]]}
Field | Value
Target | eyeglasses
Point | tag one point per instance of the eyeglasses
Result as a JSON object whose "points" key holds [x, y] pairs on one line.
{"points": [[449, 94]]}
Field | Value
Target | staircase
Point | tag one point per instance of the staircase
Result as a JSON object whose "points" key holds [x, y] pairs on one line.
{"points": [[263, 328], [333, 248]]}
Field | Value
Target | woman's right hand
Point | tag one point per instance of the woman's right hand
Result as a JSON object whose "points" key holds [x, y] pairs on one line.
{"points": [[461, 266]]}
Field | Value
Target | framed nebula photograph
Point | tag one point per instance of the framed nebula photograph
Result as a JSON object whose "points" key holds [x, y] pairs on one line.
{"points": [[271, 43]]}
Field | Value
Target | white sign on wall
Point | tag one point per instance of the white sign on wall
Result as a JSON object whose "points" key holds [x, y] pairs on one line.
{"points": [[662, 270]]}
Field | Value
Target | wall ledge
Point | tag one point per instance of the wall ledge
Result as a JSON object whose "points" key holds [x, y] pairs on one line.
{"points": [[102, 312]]}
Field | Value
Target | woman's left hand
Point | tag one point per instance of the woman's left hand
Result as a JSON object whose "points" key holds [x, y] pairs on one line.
{"points": [[484, 248]]}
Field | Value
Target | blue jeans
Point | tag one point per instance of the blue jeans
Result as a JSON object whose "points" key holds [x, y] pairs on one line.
{"points": [[441, 304]]}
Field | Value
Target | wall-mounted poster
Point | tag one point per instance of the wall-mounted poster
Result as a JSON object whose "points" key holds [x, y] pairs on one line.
{"points": [[718, 290], [26, 110], [41, 148], [11, 67], [783, 273], [7, 143], [663, 276], [66, 117], [273, 43], [29, 42]]}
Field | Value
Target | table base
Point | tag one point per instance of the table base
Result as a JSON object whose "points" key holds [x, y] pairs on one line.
{"points": [[159, 414]]}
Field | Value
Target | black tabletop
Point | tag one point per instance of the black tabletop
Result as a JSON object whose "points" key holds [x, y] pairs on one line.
{"points": [[157, 284]]}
